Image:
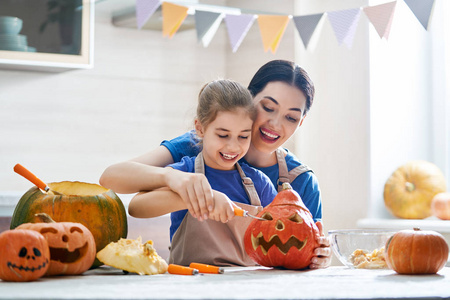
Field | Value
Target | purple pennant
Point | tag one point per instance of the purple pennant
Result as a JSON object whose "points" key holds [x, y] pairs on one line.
{"points": [[238, 27], [422, 10], [344, 24], [306, 25], [144, 10]]}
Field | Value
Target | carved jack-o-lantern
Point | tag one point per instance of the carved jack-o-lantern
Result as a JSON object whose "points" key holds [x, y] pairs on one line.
{"points": [[289, 236], [72, 245], [24, 255]]}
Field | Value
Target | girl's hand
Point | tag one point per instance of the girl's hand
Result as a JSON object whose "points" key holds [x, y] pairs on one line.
{"points": [[223, 208], [322, 254], [195, 191]]}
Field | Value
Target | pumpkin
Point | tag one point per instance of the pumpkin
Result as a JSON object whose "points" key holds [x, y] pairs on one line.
{"points": [[72, 245], [440, 206], [416, 252], [409, 190], [289, 236], [92, 205], [25, 255]]}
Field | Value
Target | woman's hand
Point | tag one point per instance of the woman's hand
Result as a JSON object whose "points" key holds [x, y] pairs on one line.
{"points": [[322, 254], [195, 191], [223, 208]]}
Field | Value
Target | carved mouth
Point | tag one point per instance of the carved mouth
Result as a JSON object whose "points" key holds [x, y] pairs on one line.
{"points": [[13, 266], [65, 256], [275, 240]]}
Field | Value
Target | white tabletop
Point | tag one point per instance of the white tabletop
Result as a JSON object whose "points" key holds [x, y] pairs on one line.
{"points": [[235, 283]]}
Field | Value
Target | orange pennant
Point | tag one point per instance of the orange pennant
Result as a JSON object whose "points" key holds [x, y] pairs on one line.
{"points": [[272, 29], [173, 17]]}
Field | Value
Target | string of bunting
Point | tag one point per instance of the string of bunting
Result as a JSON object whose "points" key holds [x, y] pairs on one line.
{"points": [[272, 27]]}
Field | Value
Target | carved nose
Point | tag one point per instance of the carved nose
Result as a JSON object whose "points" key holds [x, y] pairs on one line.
{"points": [[279, 226]]}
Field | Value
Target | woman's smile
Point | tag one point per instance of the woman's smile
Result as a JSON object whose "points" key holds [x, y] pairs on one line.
{"points": [[268, 135]]}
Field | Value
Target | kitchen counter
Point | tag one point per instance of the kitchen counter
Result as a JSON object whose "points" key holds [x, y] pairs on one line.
{"points": [[236, 283]]}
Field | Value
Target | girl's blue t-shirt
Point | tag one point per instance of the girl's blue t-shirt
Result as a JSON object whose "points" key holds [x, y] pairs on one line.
{"points": [[306, 184], [227, 182]]}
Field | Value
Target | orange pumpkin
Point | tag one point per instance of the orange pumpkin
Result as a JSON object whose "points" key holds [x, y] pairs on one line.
{"points": [[289, 236], [72, 245], [92, 205], [409, 190], [440, 206], [25, 255], [416, 252]]}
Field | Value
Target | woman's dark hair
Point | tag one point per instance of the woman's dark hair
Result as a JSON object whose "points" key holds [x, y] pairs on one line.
{"points": [[284, 71]]}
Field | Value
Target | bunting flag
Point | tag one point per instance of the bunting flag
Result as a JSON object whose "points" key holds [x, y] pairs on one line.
{"points": [[144, 10], [344, 24], [238, 27], [381, 17], [173, 17], [272, 29], [206, 24], [422, 10], [306, 25]]}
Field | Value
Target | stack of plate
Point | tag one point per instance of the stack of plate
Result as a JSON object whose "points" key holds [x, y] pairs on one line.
{"points": [[10, 39]]}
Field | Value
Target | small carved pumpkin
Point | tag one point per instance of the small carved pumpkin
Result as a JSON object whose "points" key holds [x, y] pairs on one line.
{"points": [[289, 236], [416, 252], [72, 245], [24, 255]]}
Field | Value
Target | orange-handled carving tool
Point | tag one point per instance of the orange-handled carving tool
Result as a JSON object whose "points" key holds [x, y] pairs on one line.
{"points": [[202, 268], [21, 170], [180, 270], [243, 213]]}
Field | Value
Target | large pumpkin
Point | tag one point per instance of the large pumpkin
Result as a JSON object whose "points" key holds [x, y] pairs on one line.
{"points": [[92, 205], [416, 252], [25, 255], [409, 190], [72, 245], [289, 236]]}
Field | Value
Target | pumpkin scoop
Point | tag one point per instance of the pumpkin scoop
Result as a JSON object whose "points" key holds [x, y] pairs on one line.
{"points": [[21, 170]]}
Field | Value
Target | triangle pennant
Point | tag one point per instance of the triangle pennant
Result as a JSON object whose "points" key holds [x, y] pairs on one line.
{"points": [[422, 10], [381, 17], [206, 24], [272, 29], [173, 16], [344, 24], [306, 25], [144, 10], [238, 27]]}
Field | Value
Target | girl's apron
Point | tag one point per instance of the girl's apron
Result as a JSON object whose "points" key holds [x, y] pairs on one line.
{"points": [[213, 242], [284, 175]]}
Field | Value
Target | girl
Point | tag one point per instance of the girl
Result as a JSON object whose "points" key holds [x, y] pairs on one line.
{"points": [[225, 115], [283, 94]]}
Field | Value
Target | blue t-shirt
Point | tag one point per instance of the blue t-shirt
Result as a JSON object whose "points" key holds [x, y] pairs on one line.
{"points": [[306, 184], [227, 182]]}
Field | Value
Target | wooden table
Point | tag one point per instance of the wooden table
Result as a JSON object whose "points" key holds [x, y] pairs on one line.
{"points": [[236, 283]]}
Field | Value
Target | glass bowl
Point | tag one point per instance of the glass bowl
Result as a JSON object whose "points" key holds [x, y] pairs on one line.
{"points": [[360, 248]]}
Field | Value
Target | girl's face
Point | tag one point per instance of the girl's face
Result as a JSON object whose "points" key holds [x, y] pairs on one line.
{"points": [[281, 110], [226, 139]]}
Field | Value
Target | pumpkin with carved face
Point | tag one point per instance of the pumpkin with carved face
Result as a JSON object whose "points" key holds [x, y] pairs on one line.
{"points": [[72, 245], [24, 255], [289, 236]]}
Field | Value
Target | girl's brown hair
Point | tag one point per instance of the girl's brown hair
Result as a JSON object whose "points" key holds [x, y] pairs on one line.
{"points": [[223, 95]]}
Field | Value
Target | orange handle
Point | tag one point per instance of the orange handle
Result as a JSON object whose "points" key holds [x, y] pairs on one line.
{"points": [[202, 268], [180, 270], [239, 212], [21, 170]]}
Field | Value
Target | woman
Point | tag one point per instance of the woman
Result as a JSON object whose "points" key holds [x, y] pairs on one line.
{"points": [[283, 94]]}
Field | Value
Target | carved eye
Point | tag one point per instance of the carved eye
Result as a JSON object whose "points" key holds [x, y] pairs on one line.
{"points": [[73, 229], [296, 218], [23, 252], [267, 216], [36, 252], [48, 230]]}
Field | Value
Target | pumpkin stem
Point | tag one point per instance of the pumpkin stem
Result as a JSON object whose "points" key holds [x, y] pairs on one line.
{"points": [[286, 186], [410, 186], [416, 229], [44, 218]]}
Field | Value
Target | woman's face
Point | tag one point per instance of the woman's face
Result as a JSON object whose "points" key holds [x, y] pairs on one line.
{"points": [[281, 109]]}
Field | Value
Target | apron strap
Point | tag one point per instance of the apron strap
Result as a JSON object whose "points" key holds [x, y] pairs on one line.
{"points": [[246, 181], [284, 175]]}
